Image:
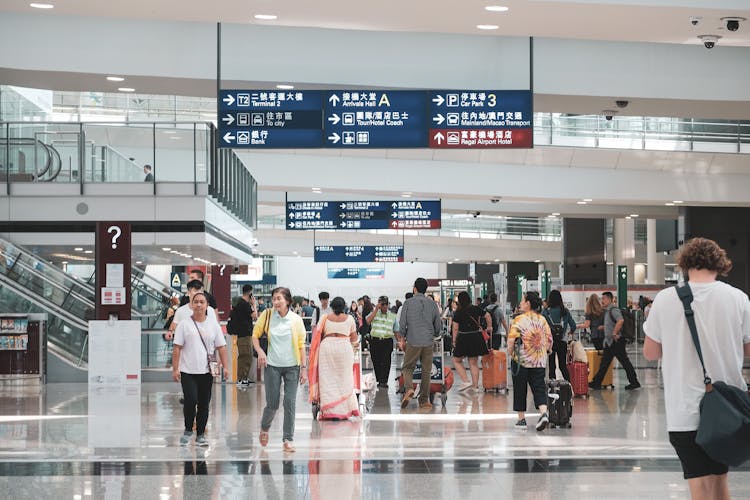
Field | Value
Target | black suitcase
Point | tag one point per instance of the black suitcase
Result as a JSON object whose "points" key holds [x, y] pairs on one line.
{"points": [[559, 403]]}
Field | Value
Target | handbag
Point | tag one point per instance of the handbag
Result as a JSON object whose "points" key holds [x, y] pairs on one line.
{"points": [[724, 428], [485, 335], [213, 366], [263, 340]]}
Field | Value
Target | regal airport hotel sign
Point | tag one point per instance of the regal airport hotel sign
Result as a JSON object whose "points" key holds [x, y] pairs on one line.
{"points": [[354, 119]]}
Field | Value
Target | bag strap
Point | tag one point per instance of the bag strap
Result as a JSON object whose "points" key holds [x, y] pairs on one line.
{"points": [[686, 296], [208, 356], [477, 323]]}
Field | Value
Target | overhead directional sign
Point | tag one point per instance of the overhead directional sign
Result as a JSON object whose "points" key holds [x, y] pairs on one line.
{"points": [[270, 119], [401, 214], [376, 119], [359, 253], [367, 273], [481, 119]]}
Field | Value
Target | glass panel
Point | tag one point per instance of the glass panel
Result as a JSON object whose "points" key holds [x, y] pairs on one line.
{"points": [[175, 153]]}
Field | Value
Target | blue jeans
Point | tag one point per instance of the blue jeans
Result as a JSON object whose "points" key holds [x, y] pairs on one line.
{"points": [[274, 375]]}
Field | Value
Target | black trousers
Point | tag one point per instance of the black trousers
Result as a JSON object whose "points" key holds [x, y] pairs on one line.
{"points": [[197, 392], [616, 350], [531, 377], [559, 351], [380, 351], [598, 343]]}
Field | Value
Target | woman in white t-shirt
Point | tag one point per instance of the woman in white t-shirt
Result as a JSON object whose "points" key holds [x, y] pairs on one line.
{"points": [[195, 342], [722, 316]]}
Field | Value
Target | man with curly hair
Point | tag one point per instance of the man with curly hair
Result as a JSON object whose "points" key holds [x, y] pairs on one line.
{"points": [[722, 316]]}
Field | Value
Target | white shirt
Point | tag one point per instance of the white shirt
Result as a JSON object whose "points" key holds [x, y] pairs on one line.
{"points": [[323, 311], [722, 317], [183, 313], [193, 356]]}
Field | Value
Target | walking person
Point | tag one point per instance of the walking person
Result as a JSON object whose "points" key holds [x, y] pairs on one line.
{"points": [[241, 324], [382, 328], [722, 317], [418, 327], [614, 345], [468, 340], [285, 362], [594, 321], [562, 325], [195, 343], [529, 346], [331, 364]]}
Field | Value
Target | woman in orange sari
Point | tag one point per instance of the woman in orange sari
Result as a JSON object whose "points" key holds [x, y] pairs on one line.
{"points": [[331, 360]]}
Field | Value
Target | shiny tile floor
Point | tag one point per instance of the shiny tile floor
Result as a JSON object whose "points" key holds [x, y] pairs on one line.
{"points": [[65, 441]]}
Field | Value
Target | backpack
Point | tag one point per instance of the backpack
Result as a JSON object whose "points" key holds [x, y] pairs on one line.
{"points": [[558, 329], [628, 326], [495, 321]]}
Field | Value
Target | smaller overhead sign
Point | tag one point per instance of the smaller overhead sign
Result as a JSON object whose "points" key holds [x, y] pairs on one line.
{"points": [[359, 253], [362, 273]]}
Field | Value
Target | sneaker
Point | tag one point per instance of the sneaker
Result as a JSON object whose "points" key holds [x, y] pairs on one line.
{"points": [[201, 440], [242, 382], [543, 421], [289, 447], [407, 397], [521, 424], [595, 386], [466, 386], [630, 387], [185, 438], [425, 406]]}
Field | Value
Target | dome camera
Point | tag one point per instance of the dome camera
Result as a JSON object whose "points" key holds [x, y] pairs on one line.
{"points": [[622, 103], [694, 20], [709, 41], [476, 214], [733, 23], [494, 200], [609, 114]]}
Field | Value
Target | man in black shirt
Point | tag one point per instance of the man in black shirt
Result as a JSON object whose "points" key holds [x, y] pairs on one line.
{"points": [[197, 274], [241, 324]]}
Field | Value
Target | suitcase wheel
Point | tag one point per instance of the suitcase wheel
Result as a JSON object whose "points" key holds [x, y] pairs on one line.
{"points": [[569, 425], [315, 411], [432, 397], [444, 398]]}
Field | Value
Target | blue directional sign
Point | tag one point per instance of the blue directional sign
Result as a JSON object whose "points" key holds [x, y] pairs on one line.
{"points": [[367, 273], [359, 253], [401, 214], [375, 119], [270, 119], [481, 119]]}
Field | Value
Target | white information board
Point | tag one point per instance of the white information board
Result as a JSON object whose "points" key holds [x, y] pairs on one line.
{"points": [[114, 352], [114, 416]]}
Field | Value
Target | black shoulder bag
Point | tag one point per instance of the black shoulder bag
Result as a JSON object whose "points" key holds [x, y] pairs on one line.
{"points": [[263, 340], [724, 428]]}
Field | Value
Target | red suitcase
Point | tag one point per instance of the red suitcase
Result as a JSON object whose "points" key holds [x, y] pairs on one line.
{"points": [[579, 378]]}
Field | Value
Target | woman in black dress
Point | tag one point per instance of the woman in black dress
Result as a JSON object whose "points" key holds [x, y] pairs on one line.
{"points": [[468, 340]]}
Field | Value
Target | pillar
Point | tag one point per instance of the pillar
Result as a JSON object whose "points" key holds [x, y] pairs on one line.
{"points": [[654, 259], [624, 242]]}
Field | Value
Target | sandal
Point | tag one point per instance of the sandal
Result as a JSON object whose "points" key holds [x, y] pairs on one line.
{"points": [[263, 438], [289, 446]]}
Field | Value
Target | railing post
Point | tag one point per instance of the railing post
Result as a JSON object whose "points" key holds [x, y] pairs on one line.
{"points": [[81, 157], [195, 159]]}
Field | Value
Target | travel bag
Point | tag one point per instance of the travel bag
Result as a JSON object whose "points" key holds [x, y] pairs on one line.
{"points": [[559, 403], [595, 360], [495, 371]]}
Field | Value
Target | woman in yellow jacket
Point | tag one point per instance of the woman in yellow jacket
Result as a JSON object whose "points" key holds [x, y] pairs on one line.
{"points": [[285, 360]]}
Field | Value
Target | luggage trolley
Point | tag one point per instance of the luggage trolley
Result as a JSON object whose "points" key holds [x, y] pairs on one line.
{"points": [[359, 388], [441, 377]]}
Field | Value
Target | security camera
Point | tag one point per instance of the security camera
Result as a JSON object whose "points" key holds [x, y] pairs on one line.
{"points": [[709, 41], [476, 214], [494, 200], [694, 20], [608, 117], [622, 104], [609, 114], [733, 23]]}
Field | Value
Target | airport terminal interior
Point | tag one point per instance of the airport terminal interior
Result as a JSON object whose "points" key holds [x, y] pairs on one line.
{"points": [[343, 150]]}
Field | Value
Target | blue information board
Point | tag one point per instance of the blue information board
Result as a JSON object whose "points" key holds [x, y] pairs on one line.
{"points": [[376, 119], [362, 273], [359, 253], [400, 214], [270, 119]]}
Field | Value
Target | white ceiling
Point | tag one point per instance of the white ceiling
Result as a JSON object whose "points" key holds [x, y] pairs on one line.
{"points": [[661, 21]]}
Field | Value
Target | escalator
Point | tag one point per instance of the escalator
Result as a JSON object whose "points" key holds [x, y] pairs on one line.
{"points": [[30, 284]]}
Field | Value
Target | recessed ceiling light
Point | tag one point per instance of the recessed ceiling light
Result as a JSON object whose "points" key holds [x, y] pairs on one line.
{"points": [[634, 215], [266, 17], [64, 262], [497, 8], [587, 200], [115, 79], [175, 137], [285, 87], [78, 249], [42, 5], [487, 26], [669, 204], [405, 196], [138, 262], [627, 217], [497, 260], [537, 261], [126, 89], [556, 214], [316, 189], [88, 251], [581, 202], [677, 201], [166, 249]]}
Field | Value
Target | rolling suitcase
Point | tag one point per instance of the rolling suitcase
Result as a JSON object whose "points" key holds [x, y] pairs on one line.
{"points": [[495, 371], [559, 403], [595, 360], [579, 378]]}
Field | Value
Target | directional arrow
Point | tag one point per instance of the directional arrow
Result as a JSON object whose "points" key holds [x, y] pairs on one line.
{"points": [[342, 206], [439, 119], [394, 224], [229, 119], [439, 137], [229, 100], [334, 99], [291, 224], [334, 119], [438, 100], [292, 215], [343, 224], [228, 137], [394, 205], [343, 216], [334, 137], [394, 215]]}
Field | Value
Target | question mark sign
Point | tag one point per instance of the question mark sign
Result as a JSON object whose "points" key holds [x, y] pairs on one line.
{"points": [[117, 232], [221, 270]]}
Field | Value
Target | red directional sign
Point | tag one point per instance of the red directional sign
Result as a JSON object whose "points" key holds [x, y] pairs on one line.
{"points": [[480, 138]]}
